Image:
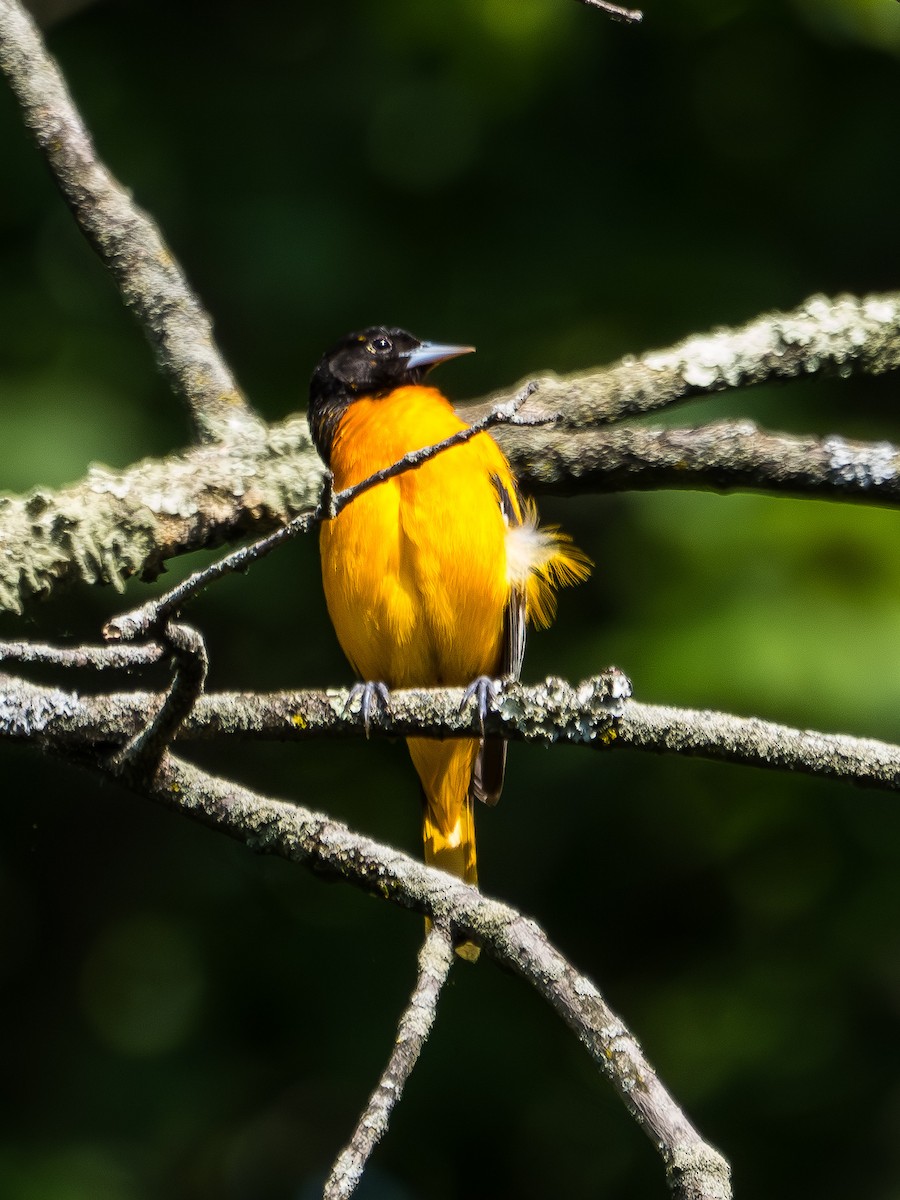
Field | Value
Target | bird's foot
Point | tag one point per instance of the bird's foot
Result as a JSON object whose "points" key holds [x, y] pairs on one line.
{"points": [[368, 695], [483, 691]]}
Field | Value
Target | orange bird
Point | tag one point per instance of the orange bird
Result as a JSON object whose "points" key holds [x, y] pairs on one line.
{"points": [[430, 577]]}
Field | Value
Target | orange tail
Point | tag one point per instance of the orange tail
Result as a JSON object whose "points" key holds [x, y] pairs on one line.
{"points": [[445, 769]]}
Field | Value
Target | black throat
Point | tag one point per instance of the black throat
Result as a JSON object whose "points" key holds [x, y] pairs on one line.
{"points": [[370, 363]]}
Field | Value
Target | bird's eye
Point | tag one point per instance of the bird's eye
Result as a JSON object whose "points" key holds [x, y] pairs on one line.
{"points": [[379, 345]]}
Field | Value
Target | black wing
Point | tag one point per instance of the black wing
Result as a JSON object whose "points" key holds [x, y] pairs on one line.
{"points": [[490, 765]]}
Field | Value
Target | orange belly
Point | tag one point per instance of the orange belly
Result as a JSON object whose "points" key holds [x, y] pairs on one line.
{"points": [[414, 570]]}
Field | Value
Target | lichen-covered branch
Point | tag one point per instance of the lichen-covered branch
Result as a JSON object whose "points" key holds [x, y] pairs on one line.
{"points": [[847, 335], [550, 712], [151, 282], [435, 960], [113, 525], [98, 658], [117, 524], [694, 1169], [723, 456], [595, 713]]}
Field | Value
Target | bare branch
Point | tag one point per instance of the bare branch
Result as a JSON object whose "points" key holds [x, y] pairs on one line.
{"points": [[757, 743], [723, 456], [435, 960], [128, 242], [630, 15], [845, 336], [694, 1169]]}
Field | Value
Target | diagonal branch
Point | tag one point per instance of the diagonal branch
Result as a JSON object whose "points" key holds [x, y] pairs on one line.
{"points": [[435, 960], [143, 621], [630, 16], [694, 1169], [846, 336], [128, 242]]}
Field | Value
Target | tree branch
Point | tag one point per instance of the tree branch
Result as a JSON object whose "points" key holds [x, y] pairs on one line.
{"points": [[845, 336], [631, 16], [694, 1169], [435, 959], [98, 658], [595, 713], [128, 242], [723, 456], [113, 525], [143, 621]]}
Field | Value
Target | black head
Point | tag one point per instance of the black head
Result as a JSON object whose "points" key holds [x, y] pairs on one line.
{"points": [[371, 362]]}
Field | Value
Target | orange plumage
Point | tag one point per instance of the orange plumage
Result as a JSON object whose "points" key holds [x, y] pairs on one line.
{"points": [[428, 575]]}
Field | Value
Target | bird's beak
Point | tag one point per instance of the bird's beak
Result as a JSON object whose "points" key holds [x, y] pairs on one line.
{"points": [[431, 353]]}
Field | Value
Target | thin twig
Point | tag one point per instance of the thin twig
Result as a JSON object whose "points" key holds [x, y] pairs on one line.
{"points": [[128, 242], [144, 621], [435, 960], [631, 15], [143, 752], [97, 658]]}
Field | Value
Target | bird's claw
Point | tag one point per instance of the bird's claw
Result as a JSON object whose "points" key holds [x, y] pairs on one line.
{"points": [[483, 690], [368, 694]]}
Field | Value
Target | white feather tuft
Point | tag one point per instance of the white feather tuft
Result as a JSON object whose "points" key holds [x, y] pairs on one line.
{"points": [[540, 560], [528, 548]]}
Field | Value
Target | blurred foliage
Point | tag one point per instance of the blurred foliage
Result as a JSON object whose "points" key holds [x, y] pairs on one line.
{"points": [[185, 1020]]}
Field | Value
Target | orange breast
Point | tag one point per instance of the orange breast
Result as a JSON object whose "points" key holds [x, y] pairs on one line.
{"points": [[415, 569]]}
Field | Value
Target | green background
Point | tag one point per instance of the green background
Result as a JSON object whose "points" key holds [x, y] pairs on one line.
{"points": [[183, 1019]]}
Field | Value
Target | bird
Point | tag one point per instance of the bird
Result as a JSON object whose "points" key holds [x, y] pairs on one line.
{"points": [[430, 576]]}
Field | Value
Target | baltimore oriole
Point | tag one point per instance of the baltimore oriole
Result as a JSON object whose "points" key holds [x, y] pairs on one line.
{"points": [[430, 576]]}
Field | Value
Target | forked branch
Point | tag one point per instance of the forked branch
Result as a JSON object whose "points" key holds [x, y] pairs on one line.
{"points": [[114, 525], [694, 1169]]}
